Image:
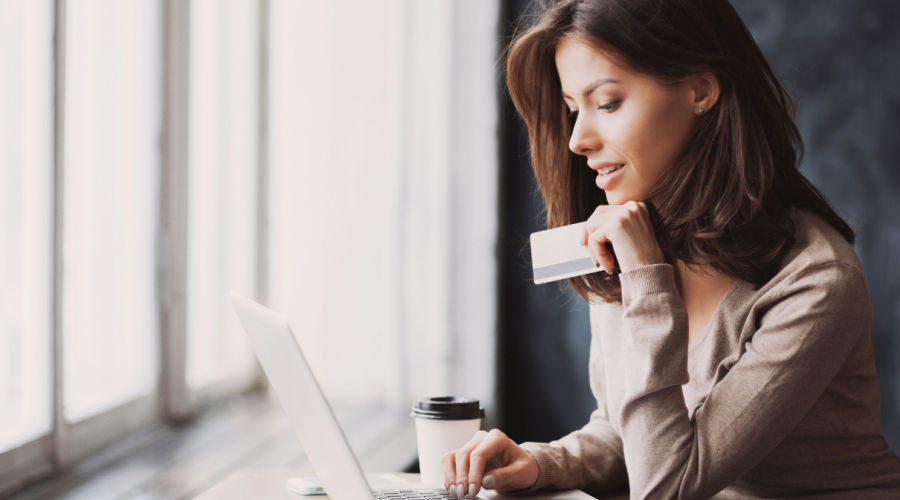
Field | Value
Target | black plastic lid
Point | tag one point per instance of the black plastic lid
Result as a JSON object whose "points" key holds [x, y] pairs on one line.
{"points": [[448, 408]]}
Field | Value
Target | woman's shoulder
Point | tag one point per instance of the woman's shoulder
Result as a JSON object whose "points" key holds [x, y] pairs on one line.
{"points": [[817, 249]]}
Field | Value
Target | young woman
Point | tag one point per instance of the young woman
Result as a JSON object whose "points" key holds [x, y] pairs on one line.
{"points": [[731, 355]]}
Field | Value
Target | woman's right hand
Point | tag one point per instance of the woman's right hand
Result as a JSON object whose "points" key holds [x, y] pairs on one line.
{"points": [[490, 459]]}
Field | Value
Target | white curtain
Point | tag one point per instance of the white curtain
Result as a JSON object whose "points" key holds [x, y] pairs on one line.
{"points": [[26, 190], [222, 186], [109, 205], [383, 194]]}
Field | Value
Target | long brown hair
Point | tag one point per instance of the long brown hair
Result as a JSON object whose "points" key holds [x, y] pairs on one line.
{"points": [[725, 201]]}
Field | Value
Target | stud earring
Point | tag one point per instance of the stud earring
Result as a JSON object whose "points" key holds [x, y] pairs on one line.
{"points": [[700, 110]]}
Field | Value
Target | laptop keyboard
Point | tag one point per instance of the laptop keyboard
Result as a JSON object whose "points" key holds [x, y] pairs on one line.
{"points": [[414, 495]]}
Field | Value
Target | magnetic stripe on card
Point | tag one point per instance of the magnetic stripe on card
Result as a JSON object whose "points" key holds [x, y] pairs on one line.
{"points": [[585, 264]]}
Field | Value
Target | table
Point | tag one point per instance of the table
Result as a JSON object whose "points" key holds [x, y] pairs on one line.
{"points": [[268, 484]]}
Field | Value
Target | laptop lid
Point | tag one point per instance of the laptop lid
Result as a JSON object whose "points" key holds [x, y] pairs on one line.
{"points": [[303, 401]]}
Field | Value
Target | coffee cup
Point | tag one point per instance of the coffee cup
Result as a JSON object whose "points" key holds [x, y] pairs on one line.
{"points": [[443, 424]]}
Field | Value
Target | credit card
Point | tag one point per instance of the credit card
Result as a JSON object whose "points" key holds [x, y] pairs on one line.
{"points": [[558, 254]]}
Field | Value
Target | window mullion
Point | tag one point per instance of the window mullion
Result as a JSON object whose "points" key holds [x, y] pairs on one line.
{"points": [[176, 401], [59, 442], [262, 190]]}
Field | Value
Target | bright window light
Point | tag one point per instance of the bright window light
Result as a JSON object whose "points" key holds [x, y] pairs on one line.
{"points": [[110, 203], [26, 189], [222, 185], [336, 186]]}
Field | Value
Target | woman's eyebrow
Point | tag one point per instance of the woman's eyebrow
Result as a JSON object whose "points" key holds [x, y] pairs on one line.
{"points": [[593, 86]]}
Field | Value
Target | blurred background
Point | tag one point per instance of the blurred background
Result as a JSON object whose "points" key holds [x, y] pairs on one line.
{"points": [[358, 167]]}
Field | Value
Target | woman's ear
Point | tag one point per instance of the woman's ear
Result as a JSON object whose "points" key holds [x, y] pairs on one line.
{"points": [[704, 91]]}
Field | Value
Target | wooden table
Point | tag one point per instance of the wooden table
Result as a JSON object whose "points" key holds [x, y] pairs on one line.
{"points": [[266, 484], [269, 484]]}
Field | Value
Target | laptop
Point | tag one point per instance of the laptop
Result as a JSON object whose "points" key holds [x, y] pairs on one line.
{"points": [[321, 436]]}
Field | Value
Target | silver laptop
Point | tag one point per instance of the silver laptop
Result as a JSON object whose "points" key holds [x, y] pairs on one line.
{"points": [[320, 434]]}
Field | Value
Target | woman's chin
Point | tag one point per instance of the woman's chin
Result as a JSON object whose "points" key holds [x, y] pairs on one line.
{"points": [[617, 197], [614, 198]]}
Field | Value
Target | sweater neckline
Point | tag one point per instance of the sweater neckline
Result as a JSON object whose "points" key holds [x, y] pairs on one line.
{"points": [[715, 315]]}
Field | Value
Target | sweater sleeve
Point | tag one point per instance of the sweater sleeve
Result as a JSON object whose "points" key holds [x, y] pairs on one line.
{"points": [[800, 343], [589, 458]]}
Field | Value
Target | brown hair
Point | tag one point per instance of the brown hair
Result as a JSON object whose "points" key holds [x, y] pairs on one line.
{"points": [[725, 201]]}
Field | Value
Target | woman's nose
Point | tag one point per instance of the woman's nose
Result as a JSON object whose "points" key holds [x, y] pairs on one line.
{"points": [[584, 137]]}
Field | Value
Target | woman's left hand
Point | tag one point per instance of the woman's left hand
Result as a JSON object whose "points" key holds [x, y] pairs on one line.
{"points": [[627, 227]]}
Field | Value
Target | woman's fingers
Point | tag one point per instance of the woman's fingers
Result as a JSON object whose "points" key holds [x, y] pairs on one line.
{"points": [[463, 459], [462, 471], [596, 235], [494, 446], [627, 229], [498, 479], [456, 466], [499, 463], [518, 474], [597, 245], [489, 459], [465, 467], [449, 463]]}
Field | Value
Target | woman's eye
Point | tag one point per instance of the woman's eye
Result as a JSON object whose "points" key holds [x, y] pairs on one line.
{"points": [[612, 105]]}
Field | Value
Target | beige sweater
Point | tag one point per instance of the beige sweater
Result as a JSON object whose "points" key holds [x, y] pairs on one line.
{"points": [[777, 398]]}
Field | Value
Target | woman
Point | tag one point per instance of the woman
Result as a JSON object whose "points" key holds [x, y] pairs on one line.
{"points": [[731, 355]]}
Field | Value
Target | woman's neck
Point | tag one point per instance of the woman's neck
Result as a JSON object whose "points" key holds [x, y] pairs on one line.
{"points": [[702, 288]]}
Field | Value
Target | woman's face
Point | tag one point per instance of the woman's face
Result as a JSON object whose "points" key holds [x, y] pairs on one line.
{"points": [[628, 126]]}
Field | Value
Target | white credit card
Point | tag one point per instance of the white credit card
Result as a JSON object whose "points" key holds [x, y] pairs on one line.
{"points": [[558, 254]]}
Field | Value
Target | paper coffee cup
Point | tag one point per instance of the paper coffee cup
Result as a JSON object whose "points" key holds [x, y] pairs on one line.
{"points": [[443, 424]]}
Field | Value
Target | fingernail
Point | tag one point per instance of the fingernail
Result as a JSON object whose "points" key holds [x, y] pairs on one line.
{"points": [[471, 489], [488, 482], [460, 491], [452, 490]]}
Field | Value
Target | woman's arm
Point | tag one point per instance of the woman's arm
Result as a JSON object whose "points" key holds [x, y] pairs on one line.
{"points": [[802, 341], [589, 458]]}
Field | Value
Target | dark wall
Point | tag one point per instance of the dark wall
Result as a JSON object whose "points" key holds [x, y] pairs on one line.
{"points": [[840, 61], [544, 330]]}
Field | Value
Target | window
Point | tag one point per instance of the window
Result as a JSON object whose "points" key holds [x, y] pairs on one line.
{"points": [[110, 204], [26, 190], [333, 158], [382, 194], [335, 119], [222, 184], [85, 280]]}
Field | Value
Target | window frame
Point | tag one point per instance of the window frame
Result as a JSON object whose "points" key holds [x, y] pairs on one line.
{"points": [[173, 401], [67, 443]]}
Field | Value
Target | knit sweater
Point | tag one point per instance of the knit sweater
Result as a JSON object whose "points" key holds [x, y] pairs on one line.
{"points": [[778, 397]]}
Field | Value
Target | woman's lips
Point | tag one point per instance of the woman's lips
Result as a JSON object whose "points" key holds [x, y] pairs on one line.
{"points": [[606, 180]]}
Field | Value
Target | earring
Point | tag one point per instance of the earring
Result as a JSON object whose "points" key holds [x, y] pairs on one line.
{"points": [[700, 110]]}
